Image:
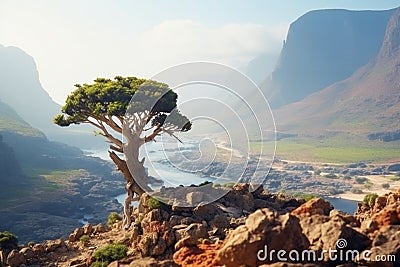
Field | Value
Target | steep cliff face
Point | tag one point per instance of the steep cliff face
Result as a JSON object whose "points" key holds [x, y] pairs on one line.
{"points": [[323, 47], [368, 101], [21, 89]]}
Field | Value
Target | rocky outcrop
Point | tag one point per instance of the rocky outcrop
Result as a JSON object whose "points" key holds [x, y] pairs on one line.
{"points": [[161, 236], [318, 49]]}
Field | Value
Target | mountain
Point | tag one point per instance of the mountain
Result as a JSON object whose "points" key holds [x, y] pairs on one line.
{"points": [[9, 167], [368, 101], [260, 66], [20, 88], [323, 47]]}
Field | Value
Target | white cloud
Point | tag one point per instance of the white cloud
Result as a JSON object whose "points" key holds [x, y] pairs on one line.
{"points": [[67, 54]]}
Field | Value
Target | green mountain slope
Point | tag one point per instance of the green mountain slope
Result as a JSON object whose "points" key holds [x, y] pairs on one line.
{"points": [[10, 121]]}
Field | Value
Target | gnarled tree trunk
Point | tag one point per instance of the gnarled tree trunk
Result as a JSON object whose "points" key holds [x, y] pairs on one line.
{"points": [[135, 175]]}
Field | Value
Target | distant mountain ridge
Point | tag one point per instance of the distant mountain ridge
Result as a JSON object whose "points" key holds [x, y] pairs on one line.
{"points": [[20, 88], [368, 101], [324, 47]]}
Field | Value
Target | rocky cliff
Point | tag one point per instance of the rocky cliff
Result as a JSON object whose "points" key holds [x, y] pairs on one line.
{"points": [[370, 95], [240, 229], [323, 47]]}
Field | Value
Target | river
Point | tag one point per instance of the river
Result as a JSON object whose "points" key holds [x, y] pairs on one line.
{"points": [[156, 166]]}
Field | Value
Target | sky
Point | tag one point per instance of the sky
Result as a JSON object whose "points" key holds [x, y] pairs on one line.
{"points": [[75, 41]]}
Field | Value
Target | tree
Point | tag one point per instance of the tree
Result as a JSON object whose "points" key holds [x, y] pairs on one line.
{"points": [[128, 112]]}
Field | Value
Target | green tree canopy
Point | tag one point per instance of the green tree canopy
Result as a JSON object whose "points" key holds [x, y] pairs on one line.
{"points": [[137, 109]]}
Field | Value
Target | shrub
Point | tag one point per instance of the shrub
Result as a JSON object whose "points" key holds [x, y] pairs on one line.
{"points": [[84, 239], [99, 264], [370, 199], [305, 196], [109, 253], [205, 183], [229, 185], [8, 240], [356, 190], [385, 186], [113, 218], [331, 176], [153, 203], [361, 180]]}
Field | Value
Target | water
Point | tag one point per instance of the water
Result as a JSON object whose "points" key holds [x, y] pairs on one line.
{"points": [[155, 153], [349, 206]]}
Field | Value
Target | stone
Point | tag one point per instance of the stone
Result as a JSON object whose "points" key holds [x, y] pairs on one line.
{"points": [[99, 228], [76, 234], [15, 259], [53, 245], [194, 198], [27, 252], [262, 228], [386, 243], [150, 262], [220, 222], [324, 232], [389, 215], [152, 245], [205, 212], [87, 229], [199, 256], [195, 230], [38, 249], [313, 206]]}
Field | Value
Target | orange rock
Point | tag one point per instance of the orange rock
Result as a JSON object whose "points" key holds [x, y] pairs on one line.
{"points": [[203, 255], [314, 206]]}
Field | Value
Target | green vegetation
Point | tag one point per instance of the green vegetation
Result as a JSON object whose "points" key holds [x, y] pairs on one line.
{"points": [[99, 264], [109, 253], [331, 176], [11, 121], [229, 185], [305, 196], [148, 107], [394, 178], [361, 180], [84, 239], [356, 190], [370, 199], [31, 243], [8, 240], [153, 203], [342, 149], [113, 218]]}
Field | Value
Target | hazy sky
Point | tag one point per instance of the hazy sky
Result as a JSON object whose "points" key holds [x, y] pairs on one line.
{"points": [[76, 41]]}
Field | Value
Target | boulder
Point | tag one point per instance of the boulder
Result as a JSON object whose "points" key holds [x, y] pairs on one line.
{"points": [[152, 245], [263, 229], [313, 206], [386, 244], [325, 233], [55, 245], [87, 229], [194, 198], [148, 262], [190, 235], [27, 252], [76, 234], [99, 228], [15, 258]]}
